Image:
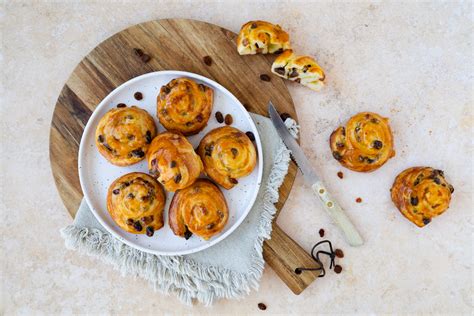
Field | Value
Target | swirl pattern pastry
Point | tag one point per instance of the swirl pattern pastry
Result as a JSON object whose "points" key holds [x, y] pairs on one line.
{"points": [[136, 201], [421, 193], [364, 144], [227, 154], [184, 106], [260, 37], [199, 209], [173, 161], [301, 69], [124, 134]]}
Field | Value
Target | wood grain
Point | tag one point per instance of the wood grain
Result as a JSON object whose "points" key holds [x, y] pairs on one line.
{"points": [[173, 44]]}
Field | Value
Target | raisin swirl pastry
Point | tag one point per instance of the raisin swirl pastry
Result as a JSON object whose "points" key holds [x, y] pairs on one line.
{"points": [[301, 69], [260, 37], [172, 159], [421, 193], [124, 134], [227, 154], [364, 144], [199, 209], [136, 201], [184, 106]]}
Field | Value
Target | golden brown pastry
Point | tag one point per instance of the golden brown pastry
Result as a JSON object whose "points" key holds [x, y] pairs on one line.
{"points": [[301, 69], [421, 193], [136, 201], [199, 209], [364, 144], [184, 106], [260, 37], [227, 154], [124, 134], [172, 159]]}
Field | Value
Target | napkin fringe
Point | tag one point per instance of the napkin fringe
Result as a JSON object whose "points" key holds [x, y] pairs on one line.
{"points": [[177, 274]]}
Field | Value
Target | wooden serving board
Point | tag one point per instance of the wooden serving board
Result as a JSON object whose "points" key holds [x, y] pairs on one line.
{"points": [[173, 44]]}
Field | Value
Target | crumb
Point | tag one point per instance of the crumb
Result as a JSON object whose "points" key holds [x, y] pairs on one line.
{"points": [[321, 232], [340, 175], [358, 200]]}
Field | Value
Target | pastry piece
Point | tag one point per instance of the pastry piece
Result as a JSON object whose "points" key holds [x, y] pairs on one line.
{"points": [[227, 154], [421, 193], [136, 201], [364, 144], [124, 134], [199, 209], [184, 106], [302, 69], [173, 161], [260, 37]]}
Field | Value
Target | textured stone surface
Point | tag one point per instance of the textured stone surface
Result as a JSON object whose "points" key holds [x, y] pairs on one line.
{"points": [[410, 62]]}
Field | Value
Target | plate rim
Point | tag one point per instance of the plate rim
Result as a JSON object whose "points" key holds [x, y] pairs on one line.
{"points": [[87, 131]]}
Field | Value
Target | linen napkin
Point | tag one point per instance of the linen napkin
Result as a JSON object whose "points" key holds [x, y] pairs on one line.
{"points": [[229, 269]]}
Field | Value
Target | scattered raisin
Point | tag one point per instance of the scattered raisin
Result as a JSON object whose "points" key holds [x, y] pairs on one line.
{"points": [[233, 180], [187, 234], [321, 233], [150, 231], [219, 117], [265, 77], [138, 52], [121, 105], [358, 200], [284, 116], [250, 135], [339, 253], [337, 269], [340, 175], [145, 58], [138, 96], [228, 119], [207, 60], [262, 306]]}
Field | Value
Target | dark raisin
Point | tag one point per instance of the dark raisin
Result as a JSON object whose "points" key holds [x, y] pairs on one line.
{"points": [[130, 137], [298, 80], [107, 147], [437, 180], [210, 226], [233, 180], [126, 184], [207, 60], [265, 77], [138, 153], [121, 105], [361, 158], [337, 155], [374, 120], [148, 137], [138, 226], [343, 131], [187, 234], [177, 178], [172, 164], [262, 306], [438, 172], [220, 214], [130, 196], [130, 221], [358, 200], [377, 144], [150, 231], [417, 181], [138, 96], [451, 188], [293, 73], [414, 200], [228, 119], [279, 51], [284, 116], [100, 138], [138, 52], [166, 90], [254, 25], [280, 70], [339, 253], [321, 233], [219, 117], [145, 198], [250, 135], [153, 162], [199, 118], [116, 191], [337, 269], [305, 68], [340, 145], [298, 271], [340, 175], [234, 151], [369, 160], [145, 58], [426, 221]]}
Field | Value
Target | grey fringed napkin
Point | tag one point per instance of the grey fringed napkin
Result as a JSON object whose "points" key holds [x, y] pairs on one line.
{"points": [[229, 269]]}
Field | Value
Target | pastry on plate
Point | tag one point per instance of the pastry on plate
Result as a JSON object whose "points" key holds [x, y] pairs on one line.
{"points": [[173, 161], [124, 134], [228, 154], [185, 106], [301, 69], [364, 144], [136, 202], [199, 209], [260, 37], [421, 193]]}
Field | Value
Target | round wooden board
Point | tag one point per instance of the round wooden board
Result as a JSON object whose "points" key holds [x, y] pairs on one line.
{"points": [[173, 44]]}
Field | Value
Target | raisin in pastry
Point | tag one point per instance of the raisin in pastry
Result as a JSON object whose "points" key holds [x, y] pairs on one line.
{"points": [[260, 37]]}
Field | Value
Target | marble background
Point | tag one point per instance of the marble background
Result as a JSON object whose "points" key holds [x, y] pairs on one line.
{"points": [[409, 61]]}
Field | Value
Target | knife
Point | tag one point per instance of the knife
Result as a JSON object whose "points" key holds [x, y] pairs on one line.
{"points": [[337, 214]]}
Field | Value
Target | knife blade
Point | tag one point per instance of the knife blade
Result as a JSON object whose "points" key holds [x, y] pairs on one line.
{"points": [[334, 210]]}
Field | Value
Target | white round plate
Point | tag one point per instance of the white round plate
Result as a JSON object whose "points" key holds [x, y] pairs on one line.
{"points": [[96, 173]]}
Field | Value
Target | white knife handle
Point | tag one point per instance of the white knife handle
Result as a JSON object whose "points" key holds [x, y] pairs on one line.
{"points": [[338, 215]]}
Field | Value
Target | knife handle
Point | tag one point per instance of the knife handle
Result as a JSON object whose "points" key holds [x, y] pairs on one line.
{"points": [[338, 215]]}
